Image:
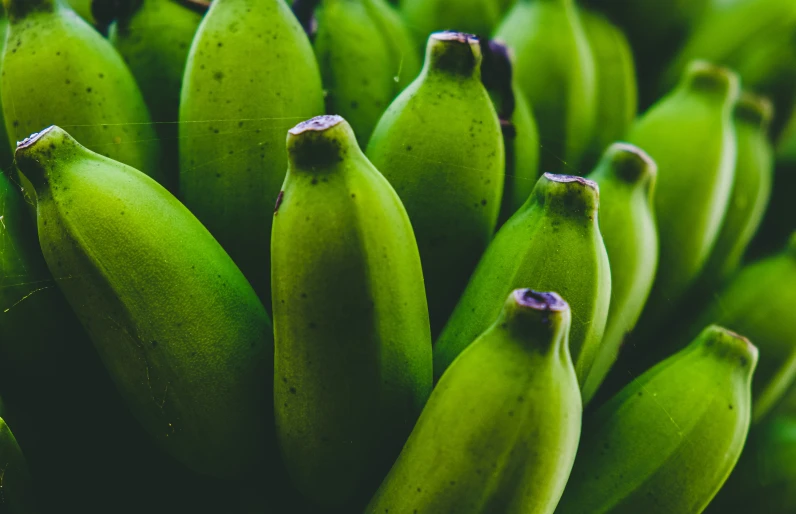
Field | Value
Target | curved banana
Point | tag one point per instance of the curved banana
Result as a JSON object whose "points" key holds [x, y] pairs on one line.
{"points": [[440, 146], [362, 63], [758, 302], [250, 76], [353, 344], [176, 324], [555, 69], [554, 233], [520, 133], [690, 135], [154, 37], [500, 430], [667, 442], [59, 70], [754, 170], [626, 177]]}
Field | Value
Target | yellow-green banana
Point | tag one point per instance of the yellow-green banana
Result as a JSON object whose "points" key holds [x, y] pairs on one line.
{"points": [[751, 190], [16, 488], [554, 233], [500, 431], [366, 57], [440, 146], [758, 302], [154, 37], [520, 133], [666, 443], [617, 95], [251, 75], [6, 155], [59, 70], [626, 177], [353, 344], [690, 135], [478, 17], [555, 70], [176, 324]]}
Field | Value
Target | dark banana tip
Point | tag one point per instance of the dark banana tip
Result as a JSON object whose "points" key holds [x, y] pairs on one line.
{"points": [[453, 52], [321, 142], [726, 344], [568, 195], [755, 110], [36, 155], [630, 163], [706, 76], [548, 302], [497, 75]]}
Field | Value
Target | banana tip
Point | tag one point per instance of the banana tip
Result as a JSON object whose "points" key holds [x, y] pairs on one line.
{"points": [[459, 37], [317, 124], [571, 178], [540, 301], [31, 140]]}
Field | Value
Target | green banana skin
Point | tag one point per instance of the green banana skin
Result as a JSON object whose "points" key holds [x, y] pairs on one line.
{"points": [[617, 92], [690, 135], [555, 69], [154, 37], [6, 155], [501, 429], [758, 302], [17, 490], [520, 133], [555, 232], [626, 177], [751, 190], [251, 76], [59, 70], [176, 324], [667, 442], [362, 61], [353, 344], [423, 17], [440, 146]]}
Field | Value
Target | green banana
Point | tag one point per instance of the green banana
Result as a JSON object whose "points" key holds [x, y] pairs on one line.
{"points": [[440, 146], [520, 133], [626, 177], [690, 135], [424, 17], [59, 70], [366, 57], [554, 233], [667, 442], [250, 76], [758, 302], [179, 329], [154, 37], [6, 156], [555, 70], [617, 94], [353, 344], [16, 490], [500, 431], [750, 192]]}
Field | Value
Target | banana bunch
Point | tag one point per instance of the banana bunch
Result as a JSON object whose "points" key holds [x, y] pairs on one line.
{"points": [[411, 256]]}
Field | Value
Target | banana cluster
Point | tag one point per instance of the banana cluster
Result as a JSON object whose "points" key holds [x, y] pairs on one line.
{"points": [[343, 256]]}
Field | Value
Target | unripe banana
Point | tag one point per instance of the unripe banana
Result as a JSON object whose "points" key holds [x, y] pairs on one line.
{"points": [[440, 146], [626, 177], [353, 345], [555, 70], [154, 37], [617, 95], [179, 329], [16, 493], [478, 17], [554, 233], [758, 302], [366, 58], [520, 134], [500, 431], [251, 75], [690, 135], [751, 190], [667, 442], [6, 155], [59, 70]]}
